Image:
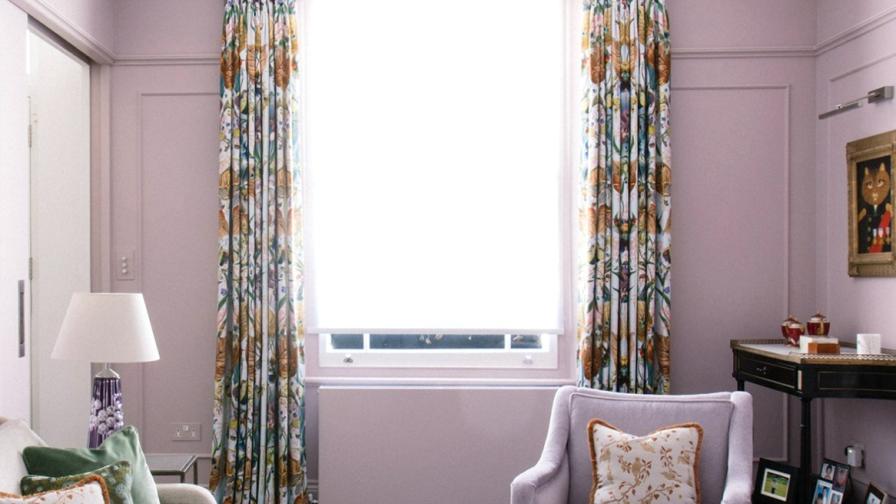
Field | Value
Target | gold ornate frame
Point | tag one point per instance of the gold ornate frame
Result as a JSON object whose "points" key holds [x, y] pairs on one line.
{"points": [[869, 264]]}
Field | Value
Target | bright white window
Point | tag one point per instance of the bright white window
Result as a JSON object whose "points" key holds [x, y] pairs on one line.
{"points": [[434, 143]]}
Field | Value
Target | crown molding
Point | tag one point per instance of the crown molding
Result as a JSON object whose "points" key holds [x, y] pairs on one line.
{"points": [[167, 59], [69, 31], [81, 39], [856, 31]]}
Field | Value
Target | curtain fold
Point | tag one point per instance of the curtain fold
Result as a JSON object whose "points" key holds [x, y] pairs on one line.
{"points": [[623, 325], [258, 428]]}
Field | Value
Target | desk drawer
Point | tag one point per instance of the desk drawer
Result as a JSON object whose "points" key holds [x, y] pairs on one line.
{"points": [[763, 371]]}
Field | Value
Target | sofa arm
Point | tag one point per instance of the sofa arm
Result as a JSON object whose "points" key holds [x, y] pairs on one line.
{"points": [[182, 493], [544, 483]]}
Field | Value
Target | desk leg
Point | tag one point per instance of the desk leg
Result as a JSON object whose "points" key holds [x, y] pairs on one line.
{"points": [[740, 385], [806, 448]]}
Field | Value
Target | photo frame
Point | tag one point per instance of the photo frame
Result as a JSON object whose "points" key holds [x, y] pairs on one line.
{"points": [[832, 484], [875, 495], [871, 183], [776, 483]]}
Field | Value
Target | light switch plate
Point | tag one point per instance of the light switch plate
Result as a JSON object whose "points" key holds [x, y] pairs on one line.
{"points": [[186, 431], [124, 265]]}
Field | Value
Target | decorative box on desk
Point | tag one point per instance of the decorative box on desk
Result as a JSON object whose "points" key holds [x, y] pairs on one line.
{"points": [[774, 364]]}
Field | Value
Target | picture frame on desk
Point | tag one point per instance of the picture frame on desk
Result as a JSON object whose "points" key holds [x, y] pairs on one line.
{"points": [[776, 483], [832, 483], [875, 495]]}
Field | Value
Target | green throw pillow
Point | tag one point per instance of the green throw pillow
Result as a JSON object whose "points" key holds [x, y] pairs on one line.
{"points": [[117, 476], [123, 445]]}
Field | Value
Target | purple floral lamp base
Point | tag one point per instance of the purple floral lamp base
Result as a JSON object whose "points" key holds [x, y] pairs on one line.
{"points": [[106, 415]]}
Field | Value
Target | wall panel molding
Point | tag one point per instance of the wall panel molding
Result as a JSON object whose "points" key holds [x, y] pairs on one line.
{"points": [[135, 373], [743, 52]]}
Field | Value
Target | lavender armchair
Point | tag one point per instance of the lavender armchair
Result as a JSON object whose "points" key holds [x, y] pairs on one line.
{"points": [[563, 473]]}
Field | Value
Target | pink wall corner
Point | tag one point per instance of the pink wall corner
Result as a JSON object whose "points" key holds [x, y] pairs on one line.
{"points": [[854, 304], [835, 17]]}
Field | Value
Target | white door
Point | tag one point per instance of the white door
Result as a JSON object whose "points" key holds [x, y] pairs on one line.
{"points": [[15, 393], [59, 90]]}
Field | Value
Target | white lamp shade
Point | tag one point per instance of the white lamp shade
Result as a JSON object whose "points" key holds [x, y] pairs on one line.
{"points": [[106, 327]]}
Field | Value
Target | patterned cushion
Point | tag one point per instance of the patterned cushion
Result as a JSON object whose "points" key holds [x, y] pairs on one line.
{"points": [[117, 477], [659, 467], [123, 445], [90, 490]]}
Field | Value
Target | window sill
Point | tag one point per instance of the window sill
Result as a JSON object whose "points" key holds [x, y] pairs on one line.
{"points": [[365, 381]]}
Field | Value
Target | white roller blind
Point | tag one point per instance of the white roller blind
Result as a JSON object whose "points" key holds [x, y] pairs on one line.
{"points": [[433, 142]]}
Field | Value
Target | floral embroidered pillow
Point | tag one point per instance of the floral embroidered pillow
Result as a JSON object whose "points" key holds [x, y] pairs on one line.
{"points": [[661, 467], [90, 490], [117, 477]]}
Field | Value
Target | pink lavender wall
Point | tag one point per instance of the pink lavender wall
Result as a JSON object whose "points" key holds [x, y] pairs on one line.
{"points": [[743, 257], [746, 232], [848, 68], [164, 157], [92, 17]]}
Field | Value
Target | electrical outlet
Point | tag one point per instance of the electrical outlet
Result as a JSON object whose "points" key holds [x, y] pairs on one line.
{"points": [[186, 432], [855, 455]]}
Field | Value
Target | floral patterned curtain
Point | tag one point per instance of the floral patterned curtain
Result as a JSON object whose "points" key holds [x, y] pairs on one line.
{"points": [[624, 254], [258, 429]]}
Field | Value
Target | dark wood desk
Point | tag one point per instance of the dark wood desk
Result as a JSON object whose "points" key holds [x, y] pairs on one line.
{"points": [[773, 364]]}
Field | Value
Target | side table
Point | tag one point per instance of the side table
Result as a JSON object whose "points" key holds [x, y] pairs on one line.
{"points": [[772, 364], [173, 464]]}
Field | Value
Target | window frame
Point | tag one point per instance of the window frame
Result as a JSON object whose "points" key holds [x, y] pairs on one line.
{"points": [[327, 361], [458, 358]]}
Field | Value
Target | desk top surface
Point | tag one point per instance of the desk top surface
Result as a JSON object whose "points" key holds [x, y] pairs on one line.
{"points": [[777, 349]]}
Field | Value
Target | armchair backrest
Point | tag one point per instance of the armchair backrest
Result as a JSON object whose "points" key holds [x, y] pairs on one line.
{"points": [[642, 414]]}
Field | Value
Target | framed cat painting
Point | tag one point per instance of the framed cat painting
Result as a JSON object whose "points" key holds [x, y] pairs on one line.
{"points": [[872, 193]]}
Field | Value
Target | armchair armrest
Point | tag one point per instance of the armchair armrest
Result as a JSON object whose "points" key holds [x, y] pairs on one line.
{"points": [[544, 483], [547, 482], [738, 490], [182, 493], [739, 483]]}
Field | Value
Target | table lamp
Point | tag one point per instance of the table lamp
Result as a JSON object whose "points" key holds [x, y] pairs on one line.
{"points": [[105, 328]]}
